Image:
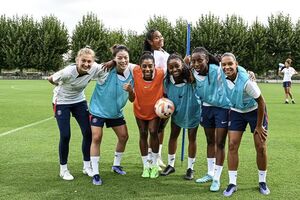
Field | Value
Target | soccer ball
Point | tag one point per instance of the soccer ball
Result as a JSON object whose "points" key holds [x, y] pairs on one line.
{"points": [[164, 108]]}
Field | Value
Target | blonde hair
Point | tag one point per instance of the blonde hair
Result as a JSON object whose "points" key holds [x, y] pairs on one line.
{"points": [[85, 51]]}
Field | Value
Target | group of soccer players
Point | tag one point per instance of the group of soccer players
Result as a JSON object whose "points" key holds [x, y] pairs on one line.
{"points": [[218, 94]]}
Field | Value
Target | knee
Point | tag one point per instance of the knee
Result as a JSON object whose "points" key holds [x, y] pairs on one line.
{"points": [[153, 135], [123, 138], [96, 138], [192, 139], [261, 149], [210, 141], [233, 147], [143, 134], [173, 137], [221, 146]]}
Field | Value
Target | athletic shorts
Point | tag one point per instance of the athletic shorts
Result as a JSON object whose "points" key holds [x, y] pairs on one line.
{"points": [[238, 121], [99, 122], [78, 110], [214, 117], [287, 84]]}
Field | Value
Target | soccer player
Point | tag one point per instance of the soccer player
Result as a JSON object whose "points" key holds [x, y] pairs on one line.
{"points": [[154, 43], [69, 98], [214, 115], [180, 90], [148, 88], [247, 106], [287, 72], [107, 102]]}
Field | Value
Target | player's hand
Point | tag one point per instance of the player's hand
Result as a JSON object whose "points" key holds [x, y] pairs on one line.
{"points": [[127, 87], [251, 75], [262, 133], [108, 65], [187, 59]]}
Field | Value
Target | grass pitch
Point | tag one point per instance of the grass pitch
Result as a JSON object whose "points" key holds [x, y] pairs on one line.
{"points": [[29, 163]]}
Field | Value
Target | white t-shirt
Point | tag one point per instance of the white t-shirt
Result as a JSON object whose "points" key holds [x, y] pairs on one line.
{"points": [[288, 73], [71, 86], [161, 58], [250, 89]]}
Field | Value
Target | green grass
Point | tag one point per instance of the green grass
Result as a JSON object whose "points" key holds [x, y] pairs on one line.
{"points": [[29, 157]]}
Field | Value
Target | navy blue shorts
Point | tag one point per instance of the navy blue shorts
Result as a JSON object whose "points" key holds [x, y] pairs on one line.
{"points": [[214, 117], [238, 121], [287, 84], [99, 121], [78, 110]]}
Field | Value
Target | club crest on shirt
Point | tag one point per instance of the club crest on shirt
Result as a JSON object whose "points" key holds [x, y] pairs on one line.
{"points": [[95, 120]]}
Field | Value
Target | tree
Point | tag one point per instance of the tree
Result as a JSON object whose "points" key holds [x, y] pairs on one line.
{"points": [[91, 31], [257, 48], [180, 34], [114, 37], [207, 33], [296, 46], [135, 43], [234, 38], [3, 40], [22, 34], [280, 38], [52, 44]]}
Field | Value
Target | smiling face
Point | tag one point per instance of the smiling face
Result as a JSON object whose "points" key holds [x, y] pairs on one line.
{"points": [[84, 63], [147, 67], [157, 41], [229, 66], [199, 62], [175, 67], [122, 60]]}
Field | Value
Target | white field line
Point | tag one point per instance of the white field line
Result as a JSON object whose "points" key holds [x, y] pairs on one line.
{"points": [[23, 127]]}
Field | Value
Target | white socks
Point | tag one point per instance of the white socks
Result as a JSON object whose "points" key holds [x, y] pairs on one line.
{"points": [[262, 176], [218, 172], [95, 164], [191, 162], [149, 154], [145, 161], [63, 167], [86, 164], [232, 177], [154, 159], [171, 159], [159, 150], [117, 158], [211, 166]]}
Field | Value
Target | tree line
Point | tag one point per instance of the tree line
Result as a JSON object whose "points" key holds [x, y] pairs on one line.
{"points": [[46, 45]]}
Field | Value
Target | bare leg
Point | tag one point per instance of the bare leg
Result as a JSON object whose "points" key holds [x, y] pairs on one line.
{"points": [[122, 134], [234, 140]]}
